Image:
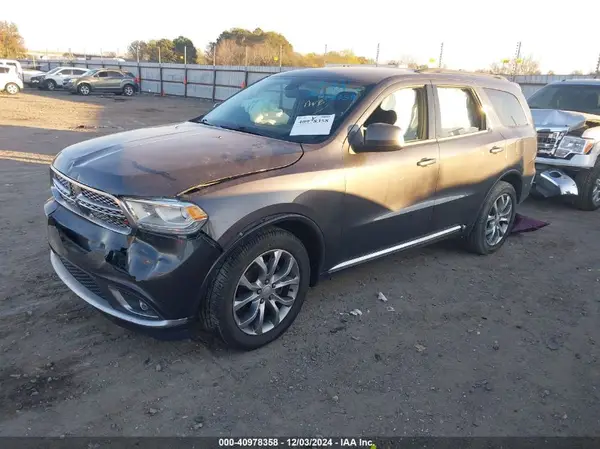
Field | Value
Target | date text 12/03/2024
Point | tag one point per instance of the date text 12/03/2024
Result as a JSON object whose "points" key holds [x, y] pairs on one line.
{"points": [[297, 442]]}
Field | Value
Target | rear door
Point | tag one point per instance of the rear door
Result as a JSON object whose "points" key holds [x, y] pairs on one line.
{"points": [[114, 80], [472, 153]]}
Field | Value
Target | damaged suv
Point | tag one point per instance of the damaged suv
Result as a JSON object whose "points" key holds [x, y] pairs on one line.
{"points": [[567, 119], [227, 219]]}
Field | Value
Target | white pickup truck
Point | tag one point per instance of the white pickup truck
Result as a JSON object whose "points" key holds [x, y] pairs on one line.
{"points": [[567, 119]]}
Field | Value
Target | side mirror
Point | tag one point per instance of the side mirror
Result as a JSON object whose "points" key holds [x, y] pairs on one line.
{"points": [[380, 137]]}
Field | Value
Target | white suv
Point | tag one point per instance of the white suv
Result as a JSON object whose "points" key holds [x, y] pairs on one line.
{"points": [[10, 81], [57, 76]]}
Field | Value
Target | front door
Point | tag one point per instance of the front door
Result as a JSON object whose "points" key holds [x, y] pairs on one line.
{"points": [[101, 80], [389, 194], [472, 155]]}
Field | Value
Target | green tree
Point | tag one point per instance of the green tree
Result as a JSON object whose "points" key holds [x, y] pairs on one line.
{"points": [[12, 44], [162, 50], [181, 44]]}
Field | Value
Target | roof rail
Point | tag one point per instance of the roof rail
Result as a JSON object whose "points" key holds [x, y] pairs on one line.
{"points": [[461, 72]]}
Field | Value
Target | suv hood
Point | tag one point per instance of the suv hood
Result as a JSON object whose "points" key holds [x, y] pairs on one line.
{"points": [[167, 160], [568, 120]]}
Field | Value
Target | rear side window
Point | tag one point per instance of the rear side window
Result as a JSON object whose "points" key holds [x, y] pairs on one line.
{"points": [[507, 107], [460, 112], [102, 74], [3, 69]]}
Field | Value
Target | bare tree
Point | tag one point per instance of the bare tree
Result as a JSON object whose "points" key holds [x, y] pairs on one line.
{"points": [[524, 66]]}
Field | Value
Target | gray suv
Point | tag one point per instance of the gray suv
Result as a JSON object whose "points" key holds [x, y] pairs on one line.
{"points": [[104, 80], [224, 221]]}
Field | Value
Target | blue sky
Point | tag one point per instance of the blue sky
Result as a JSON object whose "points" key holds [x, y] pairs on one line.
{"points": [[475, 33]]}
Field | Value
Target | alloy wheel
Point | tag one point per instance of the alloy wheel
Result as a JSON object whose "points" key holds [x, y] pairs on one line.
{"points": [[84, 90], [128, 91], [498, 219], [266, 292]]}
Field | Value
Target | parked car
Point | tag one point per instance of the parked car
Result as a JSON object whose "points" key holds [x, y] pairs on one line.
{"points": [[10, 81], [55, 78], [227, 219], [567, 119], [13, 63], [105, 80], [29, 73]]}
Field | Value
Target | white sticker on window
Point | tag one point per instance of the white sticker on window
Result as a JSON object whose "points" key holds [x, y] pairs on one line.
{"points": [[312, 125]]}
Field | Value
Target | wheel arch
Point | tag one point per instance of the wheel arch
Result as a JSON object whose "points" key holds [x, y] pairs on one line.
{"points": [[514, 178], [299, 225], [303, 227]]}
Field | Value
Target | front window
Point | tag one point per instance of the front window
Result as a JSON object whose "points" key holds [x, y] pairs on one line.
{"points": [[568, 97], [292, 108]]}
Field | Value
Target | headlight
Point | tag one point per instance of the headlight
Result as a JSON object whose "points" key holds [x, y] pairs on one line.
{"points": [[168, 216], [577, 145]]}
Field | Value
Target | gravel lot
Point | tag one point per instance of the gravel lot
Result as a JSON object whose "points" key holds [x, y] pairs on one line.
{"points": [[466, 345]]}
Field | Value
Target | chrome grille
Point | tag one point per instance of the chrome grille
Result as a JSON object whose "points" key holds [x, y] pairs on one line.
{"points": [[548, 141], [91, 204]]}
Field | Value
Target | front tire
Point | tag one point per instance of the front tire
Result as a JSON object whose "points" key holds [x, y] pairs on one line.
{"points": [[50, 85], [258, 290], [495, 220], [588, 183], [84, 89], [12, 89]]}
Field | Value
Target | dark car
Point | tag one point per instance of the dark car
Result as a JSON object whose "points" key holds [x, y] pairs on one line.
{"points": [[224, 221], [104, 81], [567, 117]]}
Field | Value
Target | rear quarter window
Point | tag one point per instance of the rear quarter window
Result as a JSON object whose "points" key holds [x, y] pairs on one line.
{"points": [[507, 107]]}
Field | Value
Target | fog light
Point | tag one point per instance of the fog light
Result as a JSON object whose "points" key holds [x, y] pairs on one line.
{"points": [[132, 303], [144, 306]]}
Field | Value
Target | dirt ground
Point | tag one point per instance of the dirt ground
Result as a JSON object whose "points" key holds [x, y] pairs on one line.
{"points": [[466, 345]]}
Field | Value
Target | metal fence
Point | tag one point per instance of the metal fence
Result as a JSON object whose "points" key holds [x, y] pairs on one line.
{"points": [[218, 83]]}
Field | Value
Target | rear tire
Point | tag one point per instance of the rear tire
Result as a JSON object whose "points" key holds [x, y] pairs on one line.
{"points": [[12, 89], [495, 221], [236, 327], [128, 90], [50, 85], [588, 183], [84, 89]]}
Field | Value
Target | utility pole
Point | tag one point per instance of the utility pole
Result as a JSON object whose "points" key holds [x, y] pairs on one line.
{"points": [[159, 60], [325, 56], [246, 56], [517, 57], [441, 55], [377, 56], [185, 55], [137, 53], [280, 55]]}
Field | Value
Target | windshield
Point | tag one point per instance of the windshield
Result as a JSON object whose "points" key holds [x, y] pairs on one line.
{"points": [[292, 108], [568, 97]]}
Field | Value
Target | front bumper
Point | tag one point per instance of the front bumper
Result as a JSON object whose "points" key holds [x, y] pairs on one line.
{"points": [[142, 280], [554, 182]]}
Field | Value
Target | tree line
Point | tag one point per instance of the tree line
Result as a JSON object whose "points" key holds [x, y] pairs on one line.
{"points": [[238, 46]]}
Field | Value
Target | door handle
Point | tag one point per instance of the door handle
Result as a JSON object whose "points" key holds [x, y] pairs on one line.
{"points": [[425, 162], [495, 150]]}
